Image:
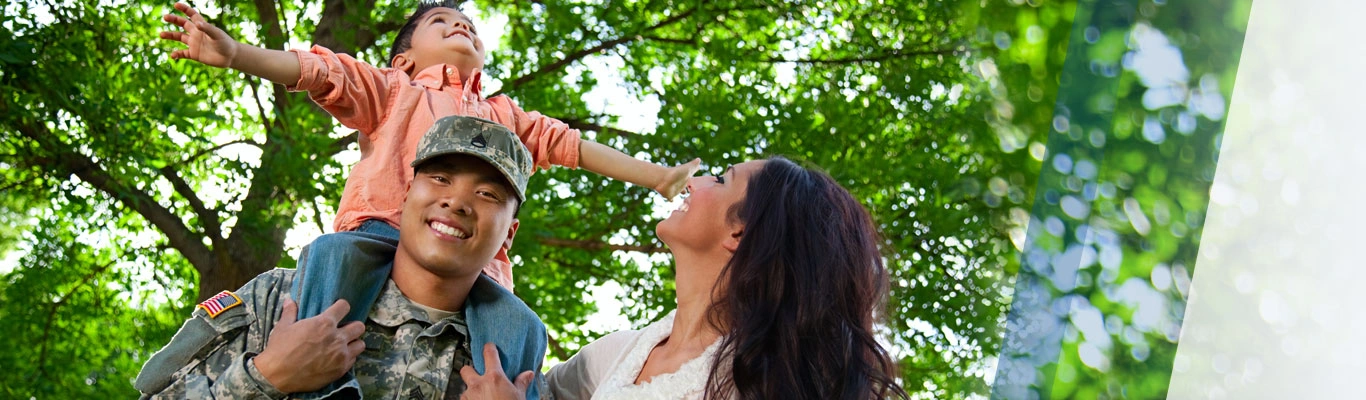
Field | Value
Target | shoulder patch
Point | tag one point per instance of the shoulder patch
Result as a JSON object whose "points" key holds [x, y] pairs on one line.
{"points": [[220, 302]]}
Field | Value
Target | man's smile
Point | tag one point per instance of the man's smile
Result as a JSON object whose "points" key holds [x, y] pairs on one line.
{"points": [[448, 229]]}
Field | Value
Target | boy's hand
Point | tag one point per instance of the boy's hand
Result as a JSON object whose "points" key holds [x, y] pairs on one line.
{"points": [[677, 178], [305, 355], [207, 44]]}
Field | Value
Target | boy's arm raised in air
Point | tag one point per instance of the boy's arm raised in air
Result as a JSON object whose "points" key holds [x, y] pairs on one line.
{"points": [[211, 46], [608, 162], [551, 141], [353, 92]]}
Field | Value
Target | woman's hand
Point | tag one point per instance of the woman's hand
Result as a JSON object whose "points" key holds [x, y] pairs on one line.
{"points": [[494, 383]]}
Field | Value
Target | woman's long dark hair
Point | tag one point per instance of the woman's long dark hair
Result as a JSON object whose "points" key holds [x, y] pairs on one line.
{"points": [[798, 296]]}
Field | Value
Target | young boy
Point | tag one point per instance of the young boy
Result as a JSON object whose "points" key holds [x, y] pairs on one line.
{"points": [[435, 72]]}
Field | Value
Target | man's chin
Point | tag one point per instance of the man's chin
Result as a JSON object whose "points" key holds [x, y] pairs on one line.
{"points": [[446, 268]]}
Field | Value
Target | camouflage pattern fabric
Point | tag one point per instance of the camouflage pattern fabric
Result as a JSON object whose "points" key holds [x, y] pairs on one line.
{"points": [[406, 355]]}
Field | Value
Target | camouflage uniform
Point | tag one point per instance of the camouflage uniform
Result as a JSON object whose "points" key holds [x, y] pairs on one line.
{"points": [[406, 355]]}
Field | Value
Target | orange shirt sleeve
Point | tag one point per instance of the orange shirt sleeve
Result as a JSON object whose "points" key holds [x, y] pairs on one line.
{"points": [[355, 93], [551, 141]]}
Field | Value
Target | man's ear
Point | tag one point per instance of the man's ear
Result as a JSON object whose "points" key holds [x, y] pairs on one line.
{"points": [[403, 63], [732, 242], [512, 231]]}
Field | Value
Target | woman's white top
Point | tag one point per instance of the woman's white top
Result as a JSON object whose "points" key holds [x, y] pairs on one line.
{"points": [[607, 369]]}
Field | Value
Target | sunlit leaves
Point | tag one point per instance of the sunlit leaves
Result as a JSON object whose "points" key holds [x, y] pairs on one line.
{"points": [[913, 106]]}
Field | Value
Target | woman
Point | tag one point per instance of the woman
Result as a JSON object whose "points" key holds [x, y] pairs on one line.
{"points": [[779, 276]]}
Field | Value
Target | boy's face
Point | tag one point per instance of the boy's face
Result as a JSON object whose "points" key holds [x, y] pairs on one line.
{"points": [[446, 36], [459, 210]]}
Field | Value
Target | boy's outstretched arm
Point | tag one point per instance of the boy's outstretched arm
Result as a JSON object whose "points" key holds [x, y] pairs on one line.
{"points": [[211, 46], [608, 162]]}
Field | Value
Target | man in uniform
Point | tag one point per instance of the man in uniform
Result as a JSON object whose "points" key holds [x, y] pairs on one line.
{"points": [[469, 182]]}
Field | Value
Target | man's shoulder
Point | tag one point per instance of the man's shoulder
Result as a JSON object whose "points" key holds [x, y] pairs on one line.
{"points": [[230, 323], [257, 300], [267, 283], [259, 296], [277, 275]]}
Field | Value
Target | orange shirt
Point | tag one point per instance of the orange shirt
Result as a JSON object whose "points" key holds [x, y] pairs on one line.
{"points": [[392, 111]]}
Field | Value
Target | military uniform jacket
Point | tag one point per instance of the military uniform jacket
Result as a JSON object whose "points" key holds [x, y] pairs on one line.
{"points": [[406, 355]]}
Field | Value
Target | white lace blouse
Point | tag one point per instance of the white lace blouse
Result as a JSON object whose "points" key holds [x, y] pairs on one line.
{"points": [[607, 369]]}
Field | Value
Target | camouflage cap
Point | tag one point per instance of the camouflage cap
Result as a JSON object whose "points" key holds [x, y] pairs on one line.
{"points": [[480, 138]]}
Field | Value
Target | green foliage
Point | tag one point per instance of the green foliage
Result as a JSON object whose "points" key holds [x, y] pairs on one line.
{"points": [[146, 183], [1121, 200]]}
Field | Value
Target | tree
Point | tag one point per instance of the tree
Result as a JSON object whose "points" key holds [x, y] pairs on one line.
{"points": [[1121, 202], [144, 185]]}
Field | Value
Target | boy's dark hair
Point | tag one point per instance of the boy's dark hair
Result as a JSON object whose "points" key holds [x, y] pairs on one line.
{"points": [[404, 41]]}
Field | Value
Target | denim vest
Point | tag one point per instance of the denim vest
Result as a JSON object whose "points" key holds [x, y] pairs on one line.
{"points": [[495, 315]]}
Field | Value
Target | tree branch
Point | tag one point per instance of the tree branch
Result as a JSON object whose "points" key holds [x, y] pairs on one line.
{"points": [[595, 245], [863, 59], [589, 126], [692, 42], [274, 38], [556, 348], [254, 242], [201, 153], [519, 81], [585, 268], [318, 216], [256, 101], [164, 284], [268, 18], [73, 163], [206, 216], [337, 17], [576, 56], [52, 313], [343, 143], [17, 183]]}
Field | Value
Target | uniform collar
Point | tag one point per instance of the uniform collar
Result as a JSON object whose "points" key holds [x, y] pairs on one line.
{"points": [[392, 308]]}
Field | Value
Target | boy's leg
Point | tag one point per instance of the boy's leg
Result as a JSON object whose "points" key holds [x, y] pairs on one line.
{"points": [[500, 269], [345, 265]]}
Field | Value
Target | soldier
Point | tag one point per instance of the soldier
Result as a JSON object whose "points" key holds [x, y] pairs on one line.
{"points": [[469, 183]]}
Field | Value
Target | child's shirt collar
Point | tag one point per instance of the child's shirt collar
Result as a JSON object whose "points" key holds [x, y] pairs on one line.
{"points": [[443, 75]]}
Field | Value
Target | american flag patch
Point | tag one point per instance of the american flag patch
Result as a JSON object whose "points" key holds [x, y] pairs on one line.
{"points": [[220, 302]]}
